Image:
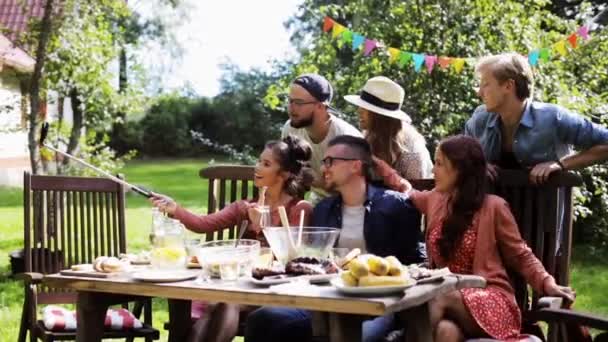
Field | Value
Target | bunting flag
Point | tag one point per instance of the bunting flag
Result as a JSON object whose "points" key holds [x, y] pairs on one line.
{"points": [[583, 31], [444, 62], [458, 64], [533, 57], [560, 47], [430, 61], [545, 54], [327, 24], [405, 58], [370, 45], [347, 36], [394, 53], [572, 40], [337, 30], [418, 60], [357, 40]]}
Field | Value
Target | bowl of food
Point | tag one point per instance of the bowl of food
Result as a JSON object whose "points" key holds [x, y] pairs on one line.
{"points": [[223, 254], [315, 242]]}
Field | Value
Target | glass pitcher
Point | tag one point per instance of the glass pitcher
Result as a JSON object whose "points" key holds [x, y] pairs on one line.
{"points": [[168, 244]]}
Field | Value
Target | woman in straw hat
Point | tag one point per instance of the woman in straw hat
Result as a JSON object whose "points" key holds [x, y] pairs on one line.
{"points": [[388, 129]]}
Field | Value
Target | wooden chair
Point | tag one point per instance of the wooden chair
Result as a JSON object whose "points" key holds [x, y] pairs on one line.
{"points": [[536, 210], [227, 184], [67, 221], [538, 215]]}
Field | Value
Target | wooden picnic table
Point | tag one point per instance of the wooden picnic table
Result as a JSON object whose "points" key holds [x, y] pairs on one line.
{"points": [[345, 312]]}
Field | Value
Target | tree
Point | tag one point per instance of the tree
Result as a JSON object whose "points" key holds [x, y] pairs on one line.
{"points": [[440, 102], [43, 38], [76, 46]]}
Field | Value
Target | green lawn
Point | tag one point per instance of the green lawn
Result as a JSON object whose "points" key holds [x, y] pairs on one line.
{"points": [[179, 179]]}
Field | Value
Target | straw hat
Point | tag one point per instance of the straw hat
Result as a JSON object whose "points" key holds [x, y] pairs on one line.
{"points": [[381, 95]]}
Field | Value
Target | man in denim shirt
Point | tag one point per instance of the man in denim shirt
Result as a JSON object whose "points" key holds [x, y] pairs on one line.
{"points": [[517, 132], [376, 220]]}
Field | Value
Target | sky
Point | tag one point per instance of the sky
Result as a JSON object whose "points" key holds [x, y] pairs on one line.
{"points": [[248, 33]]}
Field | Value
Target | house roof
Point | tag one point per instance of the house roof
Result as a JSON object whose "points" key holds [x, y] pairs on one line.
{"points": [[15, 14], [14, 18], [14, 56]]}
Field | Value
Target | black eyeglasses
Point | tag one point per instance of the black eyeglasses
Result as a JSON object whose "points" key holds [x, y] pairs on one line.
{"points": [[329, 161], [298, 102]]}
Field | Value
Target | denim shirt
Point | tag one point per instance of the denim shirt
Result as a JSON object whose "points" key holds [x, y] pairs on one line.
{"points": [[546, 132], [391, 225]]}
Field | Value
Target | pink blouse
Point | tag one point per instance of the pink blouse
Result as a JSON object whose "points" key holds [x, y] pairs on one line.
{"points": [[236, 212]]}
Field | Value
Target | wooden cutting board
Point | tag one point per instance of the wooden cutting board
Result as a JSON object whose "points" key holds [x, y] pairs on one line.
{"points": [[89, 274]]}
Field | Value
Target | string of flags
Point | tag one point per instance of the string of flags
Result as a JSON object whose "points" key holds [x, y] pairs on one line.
{"points": [[406, 58]]}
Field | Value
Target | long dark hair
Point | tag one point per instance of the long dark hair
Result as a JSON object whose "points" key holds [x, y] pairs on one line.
{"points": [[387, 136], [466, 156], [293, 154]]}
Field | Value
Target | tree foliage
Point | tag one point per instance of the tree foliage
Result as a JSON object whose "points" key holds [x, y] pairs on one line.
{"points": [[439, 103]]}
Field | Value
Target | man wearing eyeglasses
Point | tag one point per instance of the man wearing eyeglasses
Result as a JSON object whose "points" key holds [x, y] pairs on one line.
{"points": [[376, 220], [312, 119]]}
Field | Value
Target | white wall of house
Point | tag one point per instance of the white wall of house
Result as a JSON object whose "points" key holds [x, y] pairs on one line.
{"points": [[13, 137], [14, 153]]}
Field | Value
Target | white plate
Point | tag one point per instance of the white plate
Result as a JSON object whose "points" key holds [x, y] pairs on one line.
{"points": [[313, 279], [369, 290], [164, 276]]}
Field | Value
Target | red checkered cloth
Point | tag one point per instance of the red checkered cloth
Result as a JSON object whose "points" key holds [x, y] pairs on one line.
{"points": [[56, 318]]}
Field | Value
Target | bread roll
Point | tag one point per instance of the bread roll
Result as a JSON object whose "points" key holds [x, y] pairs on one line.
{"points": [[97, 263], [111, 265]]}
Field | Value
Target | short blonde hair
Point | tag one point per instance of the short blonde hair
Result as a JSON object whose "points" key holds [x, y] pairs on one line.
{"points": [[510, 66]]}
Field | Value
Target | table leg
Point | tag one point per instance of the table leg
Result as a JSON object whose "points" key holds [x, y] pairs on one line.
{"points": [[345, 327], [90, 315], [418, 324], [91, 310], [180, 322]]}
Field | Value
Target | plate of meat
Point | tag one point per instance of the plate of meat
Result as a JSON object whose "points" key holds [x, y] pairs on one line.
{"points": [[424, 275], [311, 269]]}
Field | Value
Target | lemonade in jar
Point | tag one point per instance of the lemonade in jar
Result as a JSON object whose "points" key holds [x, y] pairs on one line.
{"points": [[168, 249]]}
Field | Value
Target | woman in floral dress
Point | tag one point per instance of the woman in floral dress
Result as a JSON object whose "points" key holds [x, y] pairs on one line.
{"points": [[472, 232]]}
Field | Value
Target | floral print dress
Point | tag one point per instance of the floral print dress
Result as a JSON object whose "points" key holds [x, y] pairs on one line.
{"points": [[495, 312]]}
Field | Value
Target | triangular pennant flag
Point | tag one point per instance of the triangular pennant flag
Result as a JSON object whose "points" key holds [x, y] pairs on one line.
{"points": [[394, 53], [337, 30], [572, 39], [357, 40], [404, 58], [560, 47], [327, 24], [533, 57], [458, 64], [347, 36], [430, 62], [444, 62], [418, 61], [370, 45], [583, 31], [545, 54]]}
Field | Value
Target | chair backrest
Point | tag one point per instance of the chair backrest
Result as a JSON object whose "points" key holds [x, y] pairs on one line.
{"points": [[544, 216], [539, 211], [70, 220], [227, 184]]}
